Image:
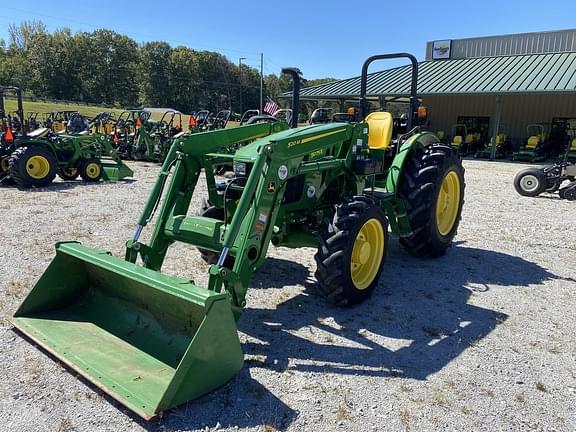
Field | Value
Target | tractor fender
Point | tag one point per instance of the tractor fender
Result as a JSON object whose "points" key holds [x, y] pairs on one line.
{"points": [[416, 141], [38, 142]]}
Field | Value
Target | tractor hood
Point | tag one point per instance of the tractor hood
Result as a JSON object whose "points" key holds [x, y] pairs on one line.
{"points": [[284, 141]]}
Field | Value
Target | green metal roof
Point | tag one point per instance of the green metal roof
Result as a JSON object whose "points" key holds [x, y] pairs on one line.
{"points": [[531, 73]]}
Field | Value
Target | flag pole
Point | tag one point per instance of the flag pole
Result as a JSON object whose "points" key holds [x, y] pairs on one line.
{"points": [[261, 83]]}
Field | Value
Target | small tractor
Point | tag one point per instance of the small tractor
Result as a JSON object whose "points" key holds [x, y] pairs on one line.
{"points": [[154, 341], [248, 114], [153, 139], [34, 159], [321, 115], [532, 182]]}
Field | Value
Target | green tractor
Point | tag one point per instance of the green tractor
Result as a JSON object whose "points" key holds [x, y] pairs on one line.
{"points": [[153, 139], [154, 341], [35, 158]]}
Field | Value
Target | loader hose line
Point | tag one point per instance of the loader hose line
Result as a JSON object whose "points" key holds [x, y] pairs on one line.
{"points": [[224, 206], [163, 184]]}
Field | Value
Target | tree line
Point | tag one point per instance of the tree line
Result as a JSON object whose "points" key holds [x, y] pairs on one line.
{"points": [[105, 67]]}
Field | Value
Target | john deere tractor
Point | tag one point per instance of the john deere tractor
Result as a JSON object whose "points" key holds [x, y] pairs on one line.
{"points": [[35, 158], [154, 341]]}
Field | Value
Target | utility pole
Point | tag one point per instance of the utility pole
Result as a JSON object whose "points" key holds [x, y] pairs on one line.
{"points": [[261, 83], [240, 80]]}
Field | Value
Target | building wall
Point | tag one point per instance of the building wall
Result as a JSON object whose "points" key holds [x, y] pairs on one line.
{"points": [[514, 44], [517, 111]]}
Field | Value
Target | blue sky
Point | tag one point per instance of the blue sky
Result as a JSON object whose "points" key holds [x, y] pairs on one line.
{"points": [[322, 38]]}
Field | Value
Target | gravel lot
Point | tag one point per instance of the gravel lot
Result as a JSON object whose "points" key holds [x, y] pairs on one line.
{"points": [[481, 339]]}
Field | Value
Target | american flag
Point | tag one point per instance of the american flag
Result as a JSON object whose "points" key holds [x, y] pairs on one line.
{"points": [[271, 107]]}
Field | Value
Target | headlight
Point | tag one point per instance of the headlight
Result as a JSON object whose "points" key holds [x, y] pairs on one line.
{"points": [[240, 168]]}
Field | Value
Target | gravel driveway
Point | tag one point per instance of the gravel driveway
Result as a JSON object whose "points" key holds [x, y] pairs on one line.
{"points": [[481, 339]]}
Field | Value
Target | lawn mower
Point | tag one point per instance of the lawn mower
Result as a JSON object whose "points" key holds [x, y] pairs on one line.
{"points": [[532, 182], [154, 341], [535, 148], [503, 148], [461, 139]]}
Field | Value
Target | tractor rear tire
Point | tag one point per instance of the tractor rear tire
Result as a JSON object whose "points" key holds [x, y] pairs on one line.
{"points": [[90, 170], [33, 165], [530, 182], [68, 173], [352, 251], [432, 188]]}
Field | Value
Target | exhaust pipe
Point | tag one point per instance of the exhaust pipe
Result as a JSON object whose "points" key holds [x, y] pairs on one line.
{"points": [[295, 73]]}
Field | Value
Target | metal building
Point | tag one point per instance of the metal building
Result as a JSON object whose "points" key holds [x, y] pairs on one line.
{"points": [[497, 84]]}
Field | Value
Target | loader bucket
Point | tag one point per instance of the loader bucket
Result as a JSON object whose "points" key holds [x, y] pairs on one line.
{"points": [[149, 340], [115, 171]]}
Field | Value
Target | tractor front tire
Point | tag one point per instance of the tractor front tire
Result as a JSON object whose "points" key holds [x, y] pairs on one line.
{"points": [[352, 250], [530, 182], [33, 165], [90, 170], [432, 188]]}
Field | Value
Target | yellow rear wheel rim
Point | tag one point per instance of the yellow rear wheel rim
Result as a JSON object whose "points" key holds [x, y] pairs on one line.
{"points": [[5, 164], [93, 170], [367, 253], [37, 167], [448, 203]]}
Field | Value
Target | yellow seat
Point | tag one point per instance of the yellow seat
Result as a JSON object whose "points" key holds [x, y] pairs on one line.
{"points": [[573, 145], [533, 141], [469, 138], [379, 130], [457, 141]]}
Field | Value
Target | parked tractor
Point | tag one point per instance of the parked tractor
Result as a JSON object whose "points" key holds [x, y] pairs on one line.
{"points": [[153, 140], [154, 341], [34, 159]]}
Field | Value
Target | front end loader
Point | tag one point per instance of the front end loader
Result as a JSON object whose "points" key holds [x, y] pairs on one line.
{"points": [[154, 341]]}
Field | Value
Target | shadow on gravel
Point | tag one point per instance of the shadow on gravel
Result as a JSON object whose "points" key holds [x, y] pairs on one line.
{"points": [[417, 321]]}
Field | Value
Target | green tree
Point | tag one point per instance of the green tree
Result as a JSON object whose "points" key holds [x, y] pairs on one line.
{"points": [[155, 73]]}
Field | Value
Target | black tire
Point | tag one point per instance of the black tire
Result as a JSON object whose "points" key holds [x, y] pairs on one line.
{"points": [[22, 165], [420, 185], [530, 182], [209, 256], [68, 173], [334, 259], [90, 170]]}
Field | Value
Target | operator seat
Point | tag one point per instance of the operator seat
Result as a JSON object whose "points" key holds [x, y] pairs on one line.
{"points": [[533, 141], [379, 130]]}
